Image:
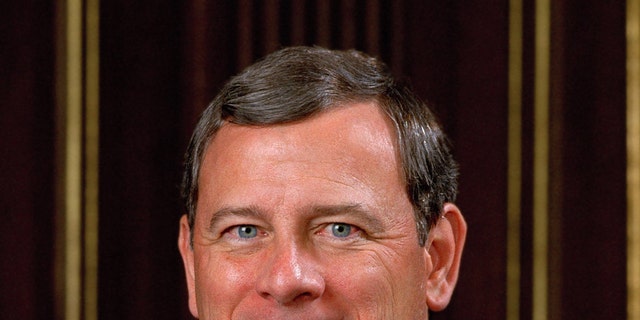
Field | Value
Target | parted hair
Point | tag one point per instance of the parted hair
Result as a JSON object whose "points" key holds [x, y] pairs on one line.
{"points": [[295, 83]]}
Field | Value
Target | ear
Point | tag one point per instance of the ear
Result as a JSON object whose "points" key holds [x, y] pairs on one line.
{"points": [[445, 243], [186, 251]]}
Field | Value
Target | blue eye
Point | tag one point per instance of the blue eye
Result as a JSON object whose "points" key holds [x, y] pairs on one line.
{"points": [[340, 230], [247, 231]]}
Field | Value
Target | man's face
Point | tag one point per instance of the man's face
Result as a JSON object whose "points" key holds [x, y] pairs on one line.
{"points": [[308, 220]]}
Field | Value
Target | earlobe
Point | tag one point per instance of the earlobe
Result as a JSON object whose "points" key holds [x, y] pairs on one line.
{"points": [[445, 244], [186, 251]]}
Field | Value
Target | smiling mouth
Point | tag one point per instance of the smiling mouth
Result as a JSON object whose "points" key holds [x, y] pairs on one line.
{"points": [[293, 316]]}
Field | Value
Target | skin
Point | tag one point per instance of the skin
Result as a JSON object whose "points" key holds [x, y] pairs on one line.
{"points": [[311, 220]]}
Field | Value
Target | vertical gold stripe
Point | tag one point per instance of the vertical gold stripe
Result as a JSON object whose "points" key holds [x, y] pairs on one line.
{"points": [[73, 161], [514, 182], [69, 195], [77, 102], [92, 101], [633, 159], [541, 159]]}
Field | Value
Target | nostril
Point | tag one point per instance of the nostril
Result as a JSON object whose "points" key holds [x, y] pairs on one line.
{"points": [[303, 296], [289, 301], [293, 293]]}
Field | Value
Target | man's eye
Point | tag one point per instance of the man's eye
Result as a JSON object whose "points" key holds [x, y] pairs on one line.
{"points": [[245, 231], [341, 230]]}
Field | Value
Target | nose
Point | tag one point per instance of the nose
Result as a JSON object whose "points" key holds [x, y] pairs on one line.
{"points": [[290, 276]]}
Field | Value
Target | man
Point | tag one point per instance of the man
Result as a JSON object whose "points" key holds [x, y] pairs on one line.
{"points": [[319, 188]]}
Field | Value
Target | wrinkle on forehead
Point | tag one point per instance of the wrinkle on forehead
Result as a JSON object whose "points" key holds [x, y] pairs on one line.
{"points": [[362, 127]]}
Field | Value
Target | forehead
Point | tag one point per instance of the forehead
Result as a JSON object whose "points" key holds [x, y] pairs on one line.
{"points": [[352, 145], [357, 126]]}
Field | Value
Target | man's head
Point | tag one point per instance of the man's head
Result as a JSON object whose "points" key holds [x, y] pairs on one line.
{"points": [[314, 186]]}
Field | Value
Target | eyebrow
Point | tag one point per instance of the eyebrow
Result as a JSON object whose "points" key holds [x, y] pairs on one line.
{"points": [[247, 212], [373, 223]]}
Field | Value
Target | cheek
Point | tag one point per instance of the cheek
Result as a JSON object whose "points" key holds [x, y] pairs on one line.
{"points": [[380, 282], [221, 285], [364, 283]]}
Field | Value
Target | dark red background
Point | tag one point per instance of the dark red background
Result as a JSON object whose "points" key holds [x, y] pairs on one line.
{"points": [[162, 61]]}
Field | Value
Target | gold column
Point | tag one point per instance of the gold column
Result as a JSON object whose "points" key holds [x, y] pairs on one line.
{"points": [[69, 160], [77, 98], [514, 174], [541, 160], [633, 159]]}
